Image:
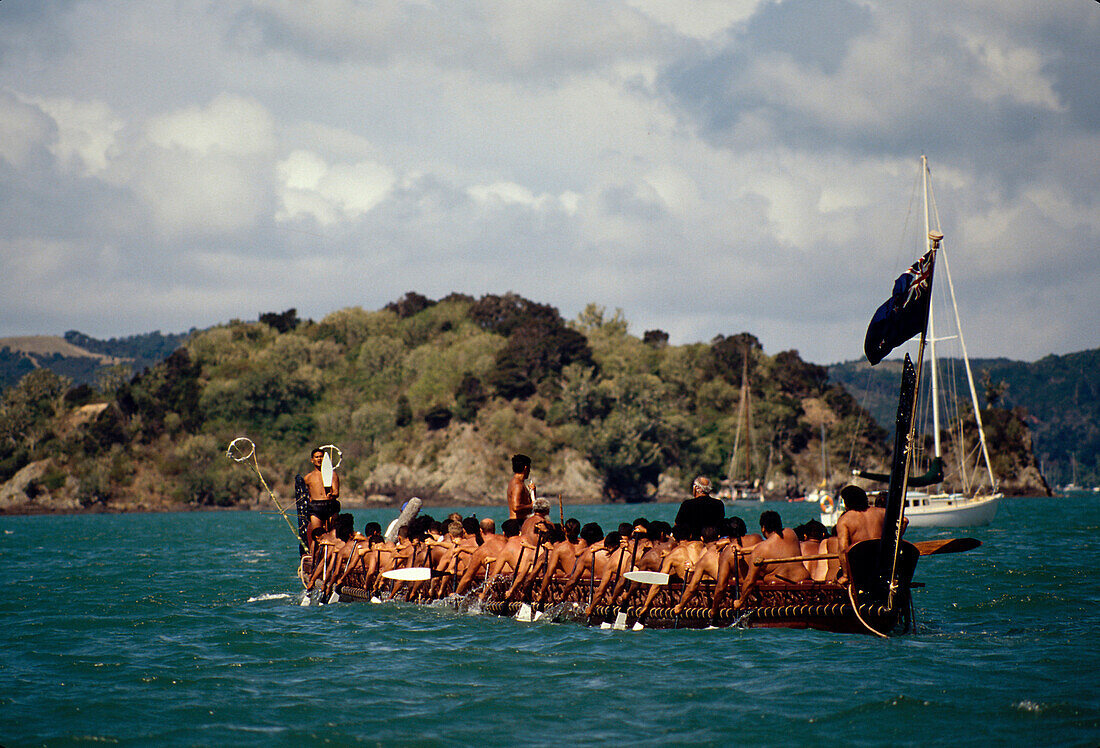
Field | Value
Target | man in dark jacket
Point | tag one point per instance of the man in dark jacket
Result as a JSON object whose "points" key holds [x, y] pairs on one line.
{"points": [[702, 509]]}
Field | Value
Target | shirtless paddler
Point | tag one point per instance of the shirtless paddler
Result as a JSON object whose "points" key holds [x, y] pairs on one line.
{"points": [[323, 504], [520, 496]]}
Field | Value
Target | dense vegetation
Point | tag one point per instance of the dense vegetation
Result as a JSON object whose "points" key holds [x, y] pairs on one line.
{"points": [[433, 397]]}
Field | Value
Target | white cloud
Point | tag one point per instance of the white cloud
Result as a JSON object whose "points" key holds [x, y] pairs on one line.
{"points": [[311, 187], [24, 128], [1010, 71], [87, 132], [228, 124], [700, 19], [189, 194], [509, 193]]}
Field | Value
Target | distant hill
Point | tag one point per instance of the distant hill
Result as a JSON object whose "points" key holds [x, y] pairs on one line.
{"points": [[1060, 395], [82, 358], [431, 398]]}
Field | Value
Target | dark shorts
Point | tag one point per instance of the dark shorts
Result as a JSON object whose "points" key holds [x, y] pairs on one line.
{"points": [[324, 509]]}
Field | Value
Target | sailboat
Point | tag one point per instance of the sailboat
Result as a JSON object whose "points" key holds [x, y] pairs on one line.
{"points": [[927, 503], [739, 492]]}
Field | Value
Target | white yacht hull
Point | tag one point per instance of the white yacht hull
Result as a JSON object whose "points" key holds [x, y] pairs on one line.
{"points": [[950, 510], [939, 510]]}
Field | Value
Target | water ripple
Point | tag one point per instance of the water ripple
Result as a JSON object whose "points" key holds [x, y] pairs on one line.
{"points": [[186, 629]]}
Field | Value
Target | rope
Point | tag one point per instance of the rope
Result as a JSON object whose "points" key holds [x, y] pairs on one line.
{"points": [[236, 444], [855, 609]]}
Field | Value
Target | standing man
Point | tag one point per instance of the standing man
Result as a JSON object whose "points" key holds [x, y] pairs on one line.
{"points": [[322, 500], [520, 497], [702, 509]]}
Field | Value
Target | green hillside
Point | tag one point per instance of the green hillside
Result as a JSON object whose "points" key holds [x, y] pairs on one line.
{"points": [[86, 363], [430, 398]]}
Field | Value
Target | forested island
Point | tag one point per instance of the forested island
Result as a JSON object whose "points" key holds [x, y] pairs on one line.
{"points": [[431, 398]]}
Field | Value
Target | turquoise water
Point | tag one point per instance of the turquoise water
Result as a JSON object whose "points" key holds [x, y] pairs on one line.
{"points": [[184, 629]]}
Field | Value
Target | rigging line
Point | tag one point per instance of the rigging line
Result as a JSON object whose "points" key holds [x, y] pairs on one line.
{"points": [[901, 251]]}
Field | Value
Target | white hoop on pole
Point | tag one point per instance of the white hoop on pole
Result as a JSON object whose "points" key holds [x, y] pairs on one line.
{"points": [[339, 453], [256, 467], [233, 444]]}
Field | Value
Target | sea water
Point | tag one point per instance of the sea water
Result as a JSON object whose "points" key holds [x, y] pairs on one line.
{"points": [[186, 629]]}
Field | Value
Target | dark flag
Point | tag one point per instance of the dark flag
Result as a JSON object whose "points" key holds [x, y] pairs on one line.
{"points": [[905, 313]]}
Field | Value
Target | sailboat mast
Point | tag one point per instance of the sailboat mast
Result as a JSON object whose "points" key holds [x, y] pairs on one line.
{"points": [[970, 380], [931, 322], [741, 405]]}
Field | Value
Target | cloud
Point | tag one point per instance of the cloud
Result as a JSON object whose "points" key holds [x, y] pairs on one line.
{"points": [[88, 132], [310, 187], [709, 168], [510, 193], [24, 130], [702, 19], [227, 125], [496, 38]]}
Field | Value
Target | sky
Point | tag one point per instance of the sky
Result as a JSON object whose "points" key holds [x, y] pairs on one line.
{"points": [[706, 166]]}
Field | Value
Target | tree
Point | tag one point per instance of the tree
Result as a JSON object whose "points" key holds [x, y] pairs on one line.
{"points": [[282, 323], [796, 377], [27, 409], [534, 353], [636, 440], [438, 418], [409, 304], [469, 397], [404, 415], [727, 355], [504, 314], [994, 391]]}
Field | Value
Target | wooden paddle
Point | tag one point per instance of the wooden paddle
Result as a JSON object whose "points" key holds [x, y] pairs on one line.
{"points": [[947, 545], [926, 548]]}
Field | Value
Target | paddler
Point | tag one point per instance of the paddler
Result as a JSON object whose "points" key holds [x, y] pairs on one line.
{"points": [[323, 504], [706, 566], [564, 557], [779, 542], [520, 496], [679, 562], [859, 522], [534, 532], [492, 545]]}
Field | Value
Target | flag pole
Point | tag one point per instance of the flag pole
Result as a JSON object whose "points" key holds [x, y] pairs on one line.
{"points": [[895, 516]]}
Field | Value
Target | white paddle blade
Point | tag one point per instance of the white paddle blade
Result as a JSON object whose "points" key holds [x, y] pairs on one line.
{"points": [[620, 622], [524, 613], [647, 577], [326, 471], [412, 574], [305, 599], [334, 597]]}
